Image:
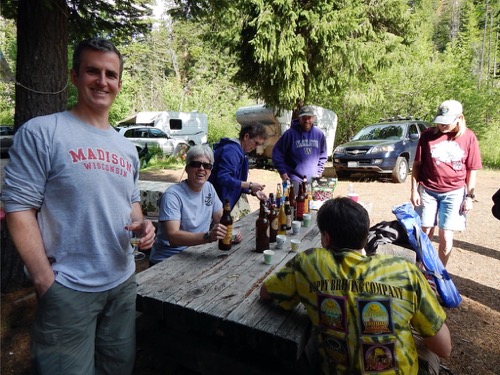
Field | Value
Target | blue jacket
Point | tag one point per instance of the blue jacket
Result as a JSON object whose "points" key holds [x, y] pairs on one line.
{"points": [[299, 153], [230, 168]]}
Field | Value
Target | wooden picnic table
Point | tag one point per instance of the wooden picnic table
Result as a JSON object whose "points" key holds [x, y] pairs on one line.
{"points": [[208, 310]]}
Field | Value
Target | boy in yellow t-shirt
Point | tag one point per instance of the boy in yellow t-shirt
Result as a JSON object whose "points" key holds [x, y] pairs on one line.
{"points": [[363, 309]]}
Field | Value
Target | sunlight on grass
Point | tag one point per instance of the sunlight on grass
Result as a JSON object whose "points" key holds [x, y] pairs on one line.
{"points": [[490, 152], [158, 162]]}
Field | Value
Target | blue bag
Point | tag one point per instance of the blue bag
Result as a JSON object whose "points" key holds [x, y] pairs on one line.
{"points": [[427, 255]]}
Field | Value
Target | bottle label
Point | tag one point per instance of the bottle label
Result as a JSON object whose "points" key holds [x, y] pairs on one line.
{"points": [[300, 211], [282, 229], [274, 224], [228, 239]]}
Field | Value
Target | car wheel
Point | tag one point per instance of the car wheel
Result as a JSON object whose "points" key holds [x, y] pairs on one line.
{"points": [[181, 150], [400, 171]]}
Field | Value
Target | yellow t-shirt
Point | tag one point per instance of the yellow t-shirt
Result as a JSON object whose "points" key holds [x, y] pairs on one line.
{"points": [[363, 308]]}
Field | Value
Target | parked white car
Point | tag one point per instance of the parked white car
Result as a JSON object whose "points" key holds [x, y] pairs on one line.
{"points": [[141, 136]]}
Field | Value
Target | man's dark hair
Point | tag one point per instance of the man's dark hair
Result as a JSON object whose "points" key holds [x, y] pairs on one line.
{"points": [[346, 221], [254, 130], [96, 44]]}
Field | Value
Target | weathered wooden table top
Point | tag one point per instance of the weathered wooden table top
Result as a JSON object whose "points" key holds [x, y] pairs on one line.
{"points": [[210, 290]]}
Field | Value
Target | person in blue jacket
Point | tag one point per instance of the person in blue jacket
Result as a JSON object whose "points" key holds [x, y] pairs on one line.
{"points": [[230, 173], [301, 150]]}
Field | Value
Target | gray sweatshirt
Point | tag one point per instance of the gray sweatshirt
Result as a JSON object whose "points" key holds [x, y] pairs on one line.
{"points": [[83, 181]]}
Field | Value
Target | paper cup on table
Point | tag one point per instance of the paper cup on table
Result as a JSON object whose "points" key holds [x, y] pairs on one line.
{"points": [[268, 256], [307, 220], [280, 241], [296, 226], [295, 245]]}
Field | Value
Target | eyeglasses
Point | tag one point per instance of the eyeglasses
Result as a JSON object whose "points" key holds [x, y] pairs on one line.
{"points": [[198, 164]]}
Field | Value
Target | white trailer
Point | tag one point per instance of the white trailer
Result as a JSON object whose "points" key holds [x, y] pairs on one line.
{"points": [[191, 127], [277, 122]]}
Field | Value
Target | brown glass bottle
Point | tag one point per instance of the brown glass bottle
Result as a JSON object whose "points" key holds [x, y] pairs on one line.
{"points": [[288, 213], [300, 203], [227, 220], [262, 229], [272, 216]]}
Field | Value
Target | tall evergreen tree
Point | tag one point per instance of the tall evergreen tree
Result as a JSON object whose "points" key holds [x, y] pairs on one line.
{"points": [[294, 50]]}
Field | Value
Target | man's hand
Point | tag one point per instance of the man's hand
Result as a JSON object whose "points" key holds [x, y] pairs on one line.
{"points": [[147, 240]]}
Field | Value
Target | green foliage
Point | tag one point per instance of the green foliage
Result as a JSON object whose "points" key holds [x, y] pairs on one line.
{"points": [[363, 60], [294, 50], [490, 152], [175, 69], [7, 71], [118, 20], [158, 163]]}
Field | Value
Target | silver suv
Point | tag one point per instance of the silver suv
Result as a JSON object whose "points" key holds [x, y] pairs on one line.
{"points": [[141, 136]]}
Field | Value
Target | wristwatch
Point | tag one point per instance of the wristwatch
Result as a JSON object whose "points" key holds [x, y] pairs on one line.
{"points": [[206, 236], [470, 195]]}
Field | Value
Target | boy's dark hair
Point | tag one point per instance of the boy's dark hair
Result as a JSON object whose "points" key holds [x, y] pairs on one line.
{"points": [[346, 221], [254, 130], [96, 44]]}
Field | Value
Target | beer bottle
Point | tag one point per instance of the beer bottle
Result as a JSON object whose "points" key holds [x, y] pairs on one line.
{"points": [[309, 196], [279, 196], [288, 213], [299, 213], [262, 229], [282, 220], [227, 220], [272, 216], [285, 188], [306, 195], [291, 198]]}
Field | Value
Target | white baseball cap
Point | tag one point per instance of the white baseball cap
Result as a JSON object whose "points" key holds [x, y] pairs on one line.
{"points": [[448, 112]]}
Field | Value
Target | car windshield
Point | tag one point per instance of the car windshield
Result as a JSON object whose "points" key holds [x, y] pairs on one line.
{"points": [[379, 132], [157, 133]]}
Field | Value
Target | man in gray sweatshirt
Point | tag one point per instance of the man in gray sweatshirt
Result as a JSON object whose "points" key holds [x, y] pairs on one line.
{"points": [[69, 191]]}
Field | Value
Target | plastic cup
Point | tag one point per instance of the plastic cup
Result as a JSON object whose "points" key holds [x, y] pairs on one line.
{"points": [[307, 220], [268, 256], [296, 226], [280, 241], [295, 245], [353, 196]]}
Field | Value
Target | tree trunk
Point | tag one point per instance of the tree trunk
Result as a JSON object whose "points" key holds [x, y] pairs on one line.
{"points": [[42, 58]]}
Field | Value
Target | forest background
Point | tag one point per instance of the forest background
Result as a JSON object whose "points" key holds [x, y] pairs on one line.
{"points": [[364, 60]]}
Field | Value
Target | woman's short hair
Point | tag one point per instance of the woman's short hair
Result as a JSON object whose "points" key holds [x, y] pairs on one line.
{"points": [[200, 150], [254, 130], [347, 222]]}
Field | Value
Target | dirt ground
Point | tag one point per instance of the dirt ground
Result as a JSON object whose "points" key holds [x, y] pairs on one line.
{"points": [[474, 267]]}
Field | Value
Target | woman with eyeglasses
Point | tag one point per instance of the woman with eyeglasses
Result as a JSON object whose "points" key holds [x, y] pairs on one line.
{"points": [[188, 208], [230, 173]]}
